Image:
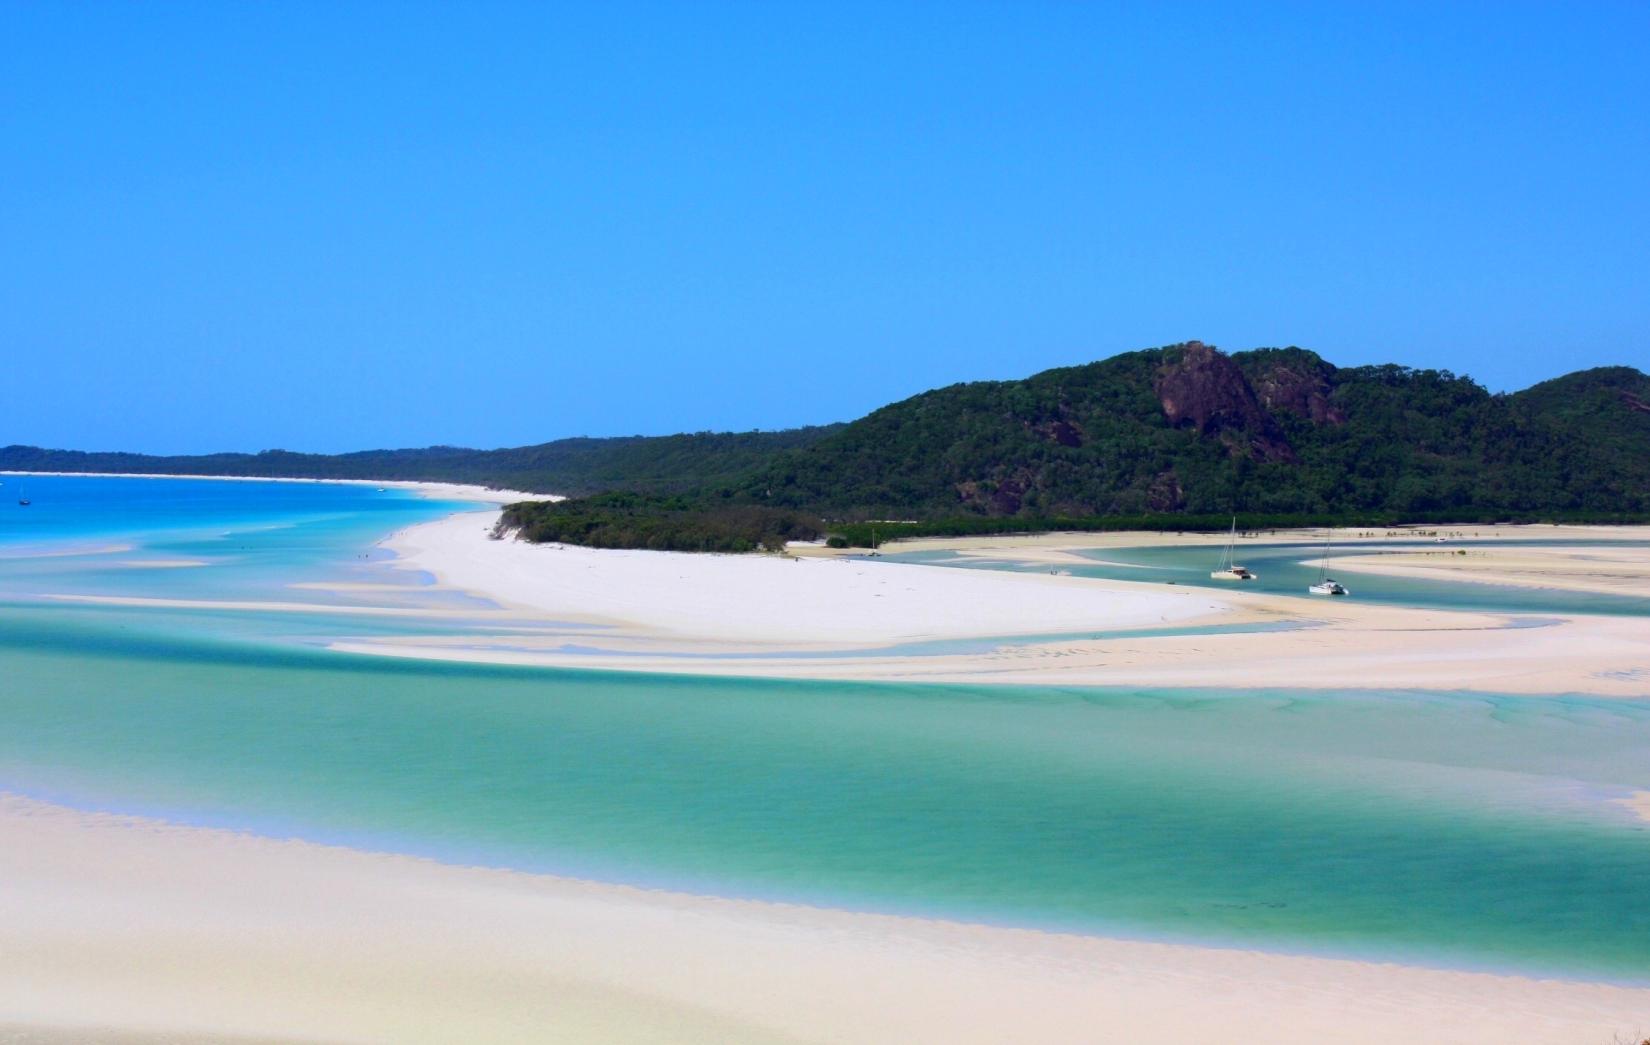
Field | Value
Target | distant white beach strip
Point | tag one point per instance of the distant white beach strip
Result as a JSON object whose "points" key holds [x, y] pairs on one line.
{"points": [[441, 491]]}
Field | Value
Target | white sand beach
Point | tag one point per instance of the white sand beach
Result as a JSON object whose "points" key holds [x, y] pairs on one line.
{"points": [[438, 491], [771, 599], [706, 614], [183, 934], [138, 931], [1608, 571]]}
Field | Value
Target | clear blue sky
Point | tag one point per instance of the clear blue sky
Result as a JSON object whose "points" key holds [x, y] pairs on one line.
{"points": [[339, 226]]}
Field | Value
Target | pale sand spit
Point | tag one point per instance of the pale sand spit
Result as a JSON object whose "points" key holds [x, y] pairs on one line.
{"points": [[775, 599], [185, 934], [1609, 571], [707, 614]]}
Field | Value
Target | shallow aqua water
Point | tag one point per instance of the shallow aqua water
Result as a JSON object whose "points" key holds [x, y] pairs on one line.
{"points": [[1279, 570], [1471, 830]]}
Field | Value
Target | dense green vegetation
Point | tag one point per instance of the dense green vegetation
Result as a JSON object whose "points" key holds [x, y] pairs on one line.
{"points": [[1189, 430], [1178, 437], [659, 523], [567, 466], [873, 534]]}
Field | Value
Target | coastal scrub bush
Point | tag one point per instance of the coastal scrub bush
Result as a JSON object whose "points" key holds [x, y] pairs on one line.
{"points": [[658, 523]]}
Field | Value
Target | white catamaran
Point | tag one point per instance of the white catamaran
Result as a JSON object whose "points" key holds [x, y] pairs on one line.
{"points": [[1327, 585], [1229, 569]]}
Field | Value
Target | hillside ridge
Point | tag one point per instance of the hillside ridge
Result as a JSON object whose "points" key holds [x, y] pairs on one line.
{"points": [[1181, 430]]}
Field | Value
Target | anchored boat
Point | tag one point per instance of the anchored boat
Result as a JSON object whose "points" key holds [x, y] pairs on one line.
{"points": [[1229, 569], [1327, 585]]}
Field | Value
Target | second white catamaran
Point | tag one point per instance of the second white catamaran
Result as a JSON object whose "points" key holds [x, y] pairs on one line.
{"points": [[1327, 585]]}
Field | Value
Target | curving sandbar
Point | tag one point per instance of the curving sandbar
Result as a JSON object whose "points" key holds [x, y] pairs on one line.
{"points": [[190, 934], [742, 615]]}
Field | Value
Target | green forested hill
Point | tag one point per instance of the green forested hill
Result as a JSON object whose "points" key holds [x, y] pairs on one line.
{"points": [[567, 466], [1189, 429], [1182, 431]]}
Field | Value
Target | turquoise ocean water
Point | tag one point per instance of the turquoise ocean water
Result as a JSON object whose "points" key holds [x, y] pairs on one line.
{"points": [[1280, 570], [1470, 830]]}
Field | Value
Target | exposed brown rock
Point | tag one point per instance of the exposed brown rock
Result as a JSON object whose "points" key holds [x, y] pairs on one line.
{"points": [[1205, 390], [1165, 494], [1002, 497], [1007, 498], [1066, 433], [1302, 393]]}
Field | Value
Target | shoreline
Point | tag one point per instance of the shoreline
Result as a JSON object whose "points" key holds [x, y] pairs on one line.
{"points": [[684, 601], [1560, 567], [142, 929], [1344, 538], [430, 490], [678, 613], [198, 933]]}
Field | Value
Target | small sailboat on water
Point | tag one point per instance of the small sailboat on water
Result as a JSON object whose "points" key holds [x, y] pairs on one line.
{"points": [[1229, 569], [1327, 585]]}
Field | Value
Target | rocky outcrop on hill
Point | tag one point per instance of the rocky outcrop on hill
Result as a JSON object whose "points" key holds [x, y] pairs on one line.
{"points": [[1205, 390], [1295, 382]]}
